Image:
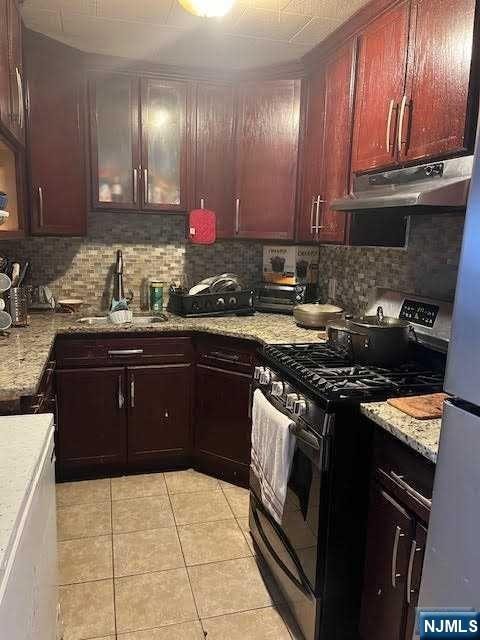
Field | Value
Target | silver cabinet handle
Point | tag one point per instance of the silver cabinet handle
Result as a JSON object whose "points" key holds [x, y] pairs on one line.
{"points": [[121, 399], [125, 352], [401, 116], [40, 206], [145, 185], [237, 215], [312, 226], [389, 124], [410, 490], [19, 97], [135, 185], [317, 215], [396, 540], [132, 392], [202, 203], [413, 549], [225, 356]]}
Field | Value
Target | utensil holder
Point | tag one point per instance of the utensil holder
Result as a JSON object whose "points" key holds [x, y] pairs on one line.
{"points": [[18, 307]]}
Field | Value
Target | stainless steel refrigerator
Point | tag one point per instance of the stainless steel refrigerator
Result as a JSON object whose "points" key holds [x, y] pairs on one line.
{"points": [[451, 574]]}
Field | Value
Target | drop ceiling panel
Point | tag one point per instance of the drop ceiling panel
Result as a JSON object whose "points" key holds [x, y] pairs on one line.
{"points": [[155, 11], [254, 34]]}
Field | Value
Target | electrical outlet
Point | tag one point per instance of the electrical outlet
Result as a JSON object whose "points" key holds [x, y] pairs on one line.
{"points": [[332, 288]]}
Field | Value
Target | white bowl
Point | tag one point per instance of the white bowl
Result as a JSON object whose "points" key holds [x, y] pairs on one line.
{"points": [[121, 317], [71, 303]]}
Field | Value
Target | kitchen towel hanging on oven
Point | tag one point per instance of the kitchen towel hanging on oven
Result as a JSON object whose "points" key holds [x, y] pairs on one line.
{"points": [[272, 453]]}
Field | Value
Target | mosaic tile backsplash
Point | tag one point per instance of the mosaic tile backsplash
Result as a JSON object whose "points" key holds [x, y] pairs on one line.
{"points": [[155, 247]]}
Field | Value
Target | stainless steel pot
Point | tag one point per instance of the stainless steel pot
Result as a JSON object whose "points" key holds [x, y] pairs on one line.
{"points": [[315, 315], [375, 340]]}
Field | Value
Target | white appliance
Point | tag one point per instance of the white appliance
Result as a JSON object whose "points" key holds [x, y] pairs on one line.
{"points": [[28, 567], [451, 575]]}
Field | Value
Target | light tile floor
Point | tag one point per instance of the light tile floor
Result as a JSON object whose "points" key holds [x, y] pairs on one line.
{"points": [[164, 556]]}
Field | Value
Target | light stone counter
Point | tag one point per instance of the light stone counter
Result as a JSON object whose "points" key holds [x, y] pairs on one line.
{"points": [[22, 441], [24, 353], [421, 435]]}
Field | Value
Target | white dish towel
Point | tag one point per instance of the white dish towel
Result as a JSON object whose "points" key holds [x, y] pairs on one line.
{"points": [[272, 453]]}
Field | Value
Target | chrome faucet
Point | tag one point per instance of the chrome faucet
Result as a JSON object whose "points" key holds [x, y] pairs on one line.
{"points": [[119, 301]]}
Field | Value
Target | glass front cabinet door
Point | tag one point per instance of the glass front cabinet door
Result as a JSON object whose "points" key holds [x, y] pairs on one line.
{"points": [[163, 144], [138, 138], [115, 142]]}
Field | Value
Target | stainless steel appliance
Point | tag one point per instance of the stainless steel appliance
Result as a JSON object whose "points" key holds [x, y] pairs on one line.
{"points": [[429, 188], [316, 554], [451, 576], [281, 298]]}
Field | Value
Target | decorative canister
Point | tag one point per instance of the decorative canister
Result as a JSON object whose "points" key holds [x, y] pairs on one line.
{"points": [[156, 295]]}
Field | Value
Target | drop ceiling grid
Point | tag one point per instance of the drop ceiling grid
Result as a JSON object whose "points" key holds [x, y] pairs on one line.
{"points": [[161, 29]]}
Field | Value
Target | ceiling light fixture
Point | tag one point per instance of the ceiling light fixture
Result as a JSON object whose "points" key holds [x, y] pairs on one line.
{"points": [[207, 8]]}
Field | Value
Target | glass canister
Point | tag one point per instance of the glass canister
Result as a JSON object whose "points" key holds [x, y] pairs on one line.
{"points": [[156, 289]]}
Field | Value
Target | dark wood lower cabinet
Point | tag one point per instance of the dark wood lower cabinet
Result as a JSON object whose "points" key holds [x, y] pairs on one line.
{"points": [[159, 415], [388, 545], [92, 422], [222, 422]]}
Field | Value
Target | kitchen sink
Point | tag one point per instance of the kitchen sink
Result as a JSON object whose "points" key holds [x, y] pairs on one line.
{"points": [[137, 320]]}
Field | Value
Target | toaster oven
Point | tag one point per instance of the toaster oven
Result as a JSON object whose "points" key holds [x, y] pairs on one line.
{"points": [[281, 298]]}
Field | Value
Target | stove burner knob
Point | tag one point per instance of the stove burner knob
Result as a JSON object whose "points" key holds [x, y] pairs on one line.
{"points": [[300, 407], [265, 376], [291, 399], [258, 372], [277, 388]]}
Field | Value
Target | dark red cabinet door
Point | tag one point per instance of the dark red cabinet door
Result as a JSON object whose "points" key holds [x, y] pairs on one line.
{"points": [[312, 157], [214, 154], [159, 414], [267, 156], [56, 137], [382, 60], [4, 68], [389, 537], [339, 86], [15, 50], [92, 421], [437, 113], [222, 422]]}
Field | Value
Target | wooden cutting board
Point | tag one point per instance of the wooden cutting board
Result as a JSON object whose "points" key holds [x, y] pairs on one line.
{"points": [[421, 407]]}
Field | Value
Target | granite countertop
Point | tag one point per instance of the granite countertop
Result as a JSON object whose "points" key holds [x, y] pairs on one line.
{"points": [[22, 443], [421, 435], [24, 353]]}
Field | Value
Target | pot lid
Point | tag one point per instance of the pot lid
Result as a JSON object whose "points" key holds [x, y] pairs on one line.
{"points": [[373, 322]]}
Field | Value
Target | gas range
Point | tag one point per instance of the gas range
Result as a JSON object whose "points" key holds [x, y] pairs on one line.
{"points": [[332, 378]]}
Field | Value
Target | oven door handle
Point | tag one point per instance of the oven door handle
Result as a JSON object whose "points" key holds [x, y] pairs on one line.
{"points": [[305, 436], [300, 581]]}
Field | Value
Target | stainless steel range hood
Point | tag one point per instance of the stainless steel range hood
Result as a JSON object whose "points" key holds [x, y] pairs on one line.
{"points": [[425, 188]]}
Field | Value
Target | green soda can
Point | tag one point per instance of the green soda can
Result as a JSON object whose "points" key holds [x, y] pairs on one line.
{"points": [[156, 296]]}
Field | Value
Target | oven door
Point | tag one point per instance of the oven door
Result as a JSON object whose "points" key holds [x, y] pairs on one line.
{"points": [[294, 549]]}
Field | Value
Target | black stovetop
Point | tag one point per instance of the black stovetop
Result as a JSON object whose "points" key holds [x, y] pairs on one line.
{"points": [[332, 376]]}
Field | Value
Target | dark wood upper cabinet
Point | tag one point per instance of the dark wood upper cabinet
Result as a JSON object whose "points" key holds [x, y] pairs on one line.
{"points": [[4, 67], [337, 138], [214, 154], [312, 158], [115, 146], [437, 117], [268, 116], [56, 139], [390, 530], [382, 59], [164, 145], [92, 421], [159, 414]]}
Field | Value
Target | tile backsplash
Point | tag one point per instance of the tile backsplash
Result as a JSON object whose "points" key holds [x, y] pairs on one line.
{"points": [[155, 247], [427, 267]]}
